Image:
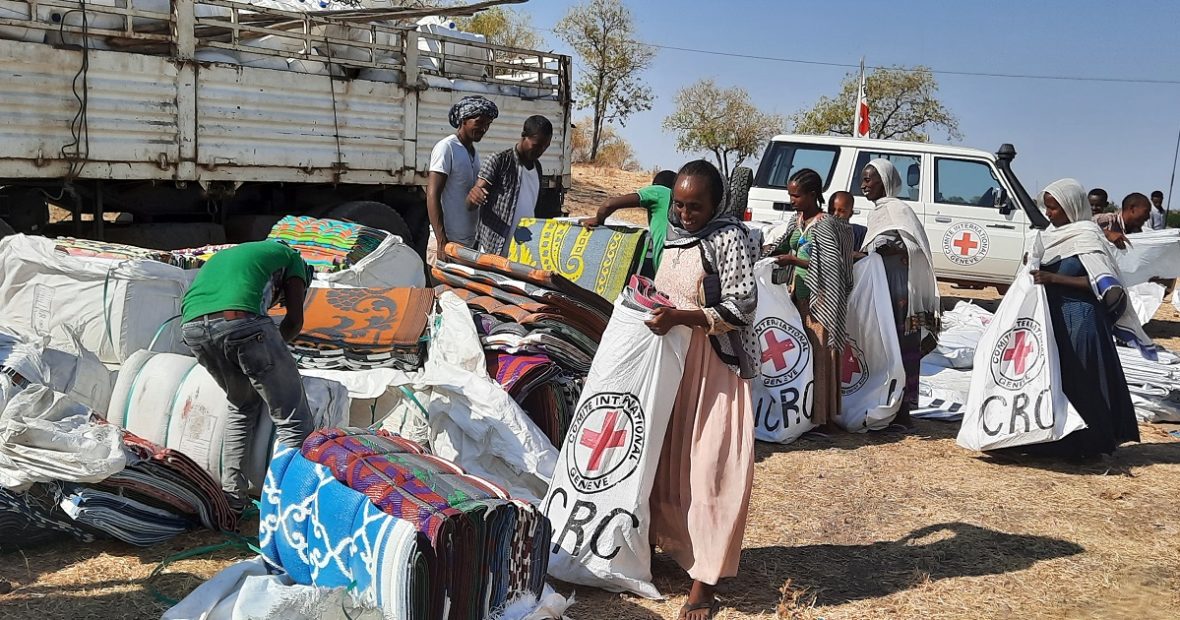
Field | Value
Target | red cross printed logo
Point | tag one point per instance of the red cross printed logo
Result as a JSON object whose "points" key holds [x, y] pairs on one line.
{"points": [[1019, 351], [602, 440], [850, 366], [965, 244], [775, 349], [1015, 360]]}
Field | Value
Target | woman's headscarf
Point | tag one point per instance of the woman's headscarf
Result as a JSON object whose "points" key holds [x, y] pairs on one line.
{"points": [[472, 106], [894, 218], [1083, 238]]}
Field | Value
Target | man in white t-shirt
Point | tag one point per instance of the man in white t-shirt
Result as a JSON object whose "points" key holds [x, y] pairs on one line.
{"points": [[509, 186], [454, 167]]}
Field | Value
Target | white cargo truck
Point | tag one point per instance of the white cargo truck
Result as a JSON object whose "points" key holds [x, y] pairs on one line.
{"points": [[214, 118]]}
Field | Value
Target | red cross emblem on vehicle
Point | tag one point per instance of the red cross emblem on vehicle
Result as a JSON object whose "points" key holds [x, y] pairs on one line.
{"points": [[965, 243], [600, 441]]}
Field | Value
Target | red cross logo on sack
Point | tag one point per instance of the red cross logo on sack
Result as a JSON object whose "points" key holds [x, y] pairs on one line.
{"points": [[1018, 355], [785, 351], [965, 243], [605, 441], [853, 370]]}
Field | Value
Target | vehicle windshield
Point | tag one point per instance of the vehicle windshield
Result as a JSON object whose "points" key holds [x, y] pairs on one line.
{"points": [[784, 159]]}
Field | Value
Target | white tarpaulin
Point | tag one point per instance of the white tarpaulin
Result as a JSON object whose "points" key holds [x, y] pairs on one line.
{"points": [[171, 400], [782, 394], [1154, 254], [872, 376], [1016, 396], [598, 502], [1146, 298], [115, 307], [45, 436]]}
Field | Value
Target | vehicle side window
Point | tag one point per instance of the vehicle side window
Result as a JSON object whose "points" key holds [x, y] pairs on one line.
{"points": [[964, 182], [784, 159], [909, 166]]}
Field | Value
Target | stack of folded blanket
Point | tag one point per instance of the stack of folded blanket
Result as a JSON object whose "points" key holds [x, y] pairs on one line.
{"points": [[194, 258], [524, 315], [103, 249], [363, 328], [327, 245], [410, 532]]}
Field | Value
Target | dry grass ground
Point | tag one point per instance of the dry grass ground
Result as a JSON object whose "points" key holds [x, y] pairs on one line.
{"points": [[848, 527]]}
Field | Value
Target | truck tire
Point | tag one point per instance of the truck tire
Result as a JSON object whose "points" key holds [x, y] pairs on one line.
{"points": [[375, 215], [740, 181]]}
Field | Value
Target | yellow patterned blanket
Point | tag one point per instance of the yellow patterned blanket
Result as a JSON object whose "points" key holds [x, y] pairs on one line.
{"points": [[597, 259]]}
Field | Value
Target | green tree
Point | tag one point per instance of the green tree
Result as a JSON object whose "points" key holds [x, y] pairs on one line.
{"points": [[503, 27], [903, 105], [721, 121], [602, 33]]}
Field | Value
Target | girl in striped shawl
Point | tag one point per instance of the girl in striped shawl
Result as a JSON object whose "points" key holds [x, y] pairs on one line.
{"points": [[817, 249]]}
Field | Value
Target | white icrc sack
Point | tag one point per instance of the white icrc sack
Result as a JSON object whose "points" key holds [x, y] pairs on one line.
{"points": [[782, 394], [872, 377], [1016, 396], [598, 502]]}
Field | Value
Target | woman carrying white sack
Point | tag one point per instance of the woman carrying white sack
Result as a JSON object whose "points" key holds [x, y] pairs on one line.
{"points": [[896, 233], [1088, 308]]}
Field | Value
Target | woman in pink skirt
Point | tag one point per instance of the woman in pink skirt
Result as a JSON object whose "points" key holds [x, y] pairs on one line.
{"points": [[701, 495]]}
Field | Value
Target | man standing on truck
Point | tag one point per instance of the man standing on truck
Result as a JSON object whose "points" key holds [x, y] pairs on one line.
{"points": [[225, 323], [454, 166], [509, 186], [655, 199]]}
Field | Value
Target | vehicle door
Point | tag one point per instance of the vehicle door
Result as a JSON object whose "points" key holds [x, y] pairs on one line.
{"points": [[976, 232], [769, 201], [909, 165]]}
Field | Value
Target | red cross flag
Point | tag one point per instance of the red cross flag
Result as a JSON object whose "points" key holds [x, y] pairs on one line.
{"points": [[860, 128]]}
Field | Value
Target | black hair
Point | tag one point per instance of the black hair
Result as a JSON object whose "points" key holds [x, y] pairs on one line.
{"points": [[704, 169], [667, 178], [1157, 194], [809, 181], [1100, 193], [843, 193], [1134, 197], [536, 126]]}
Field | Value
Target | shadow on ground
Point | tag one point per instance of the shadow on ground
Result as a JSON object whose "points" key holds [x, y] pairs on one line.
{"points": [[839, 574]]}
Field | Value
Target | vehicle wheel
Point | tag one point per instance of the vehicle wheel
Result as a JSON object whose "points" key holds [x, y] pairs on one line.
{"points": [[375, 215], [740, 181]]}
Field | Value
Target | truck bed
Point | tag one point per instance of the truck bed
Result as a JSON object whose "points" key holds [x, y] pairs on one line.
{"points": [[171, 117]]}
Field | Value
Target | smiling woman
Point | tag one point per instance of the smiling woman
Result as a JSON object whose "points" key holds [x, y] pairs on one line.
{"points": [[700, 499]]}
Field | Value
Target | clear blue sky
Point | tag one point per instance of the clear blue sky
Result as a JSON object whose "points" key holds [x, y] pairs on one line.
{"points": [[1117, 136]]}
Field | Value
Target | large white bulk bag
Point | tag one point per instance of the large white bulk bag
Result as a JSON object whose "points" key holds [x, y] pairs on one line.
{"points": [[115, 307], [78, 373], [782, 394], [393, 264], [598, 502], [872, 376], [1016, 396], [172, 401]]}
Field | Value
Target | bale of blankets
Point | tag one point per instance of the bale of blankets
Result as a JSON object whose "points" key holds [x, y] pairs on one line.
{"points": [[412, 533], [160, 493], [539, 330], [189, 258], [327, 245], [599, 259], [363, 328]]}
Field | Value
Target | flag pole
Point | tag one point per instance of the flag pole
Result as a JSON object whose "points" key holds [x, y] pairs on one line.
{"points": [[859, 94]]}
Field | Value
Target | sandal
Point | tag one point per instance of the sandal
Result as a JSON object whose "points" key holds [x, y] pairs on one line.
{"points": [[710, 608]]}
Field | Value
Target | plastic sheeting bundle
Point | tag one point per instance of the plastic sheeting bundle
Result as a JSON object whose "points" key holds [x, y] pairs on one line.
{"points": [[425, 540]]}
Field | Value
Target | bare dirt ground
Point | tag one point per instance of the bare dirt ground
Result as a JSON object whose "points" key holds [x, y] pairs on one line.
{"points": [[883, 525]]}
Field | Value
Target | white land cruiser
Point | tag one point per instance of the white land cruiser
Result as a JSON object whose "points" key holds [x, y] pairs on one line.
{"points": [[975, 211]]}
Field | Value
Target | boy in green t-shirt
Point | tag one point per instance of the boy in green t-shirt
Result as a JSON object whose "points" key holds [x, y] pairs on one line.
{"points": [[230, 333], [656, 198]]}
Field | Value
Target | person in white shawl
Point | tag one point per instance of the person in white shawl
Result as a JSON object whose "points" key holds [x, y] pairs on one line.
{"points": [[896, 233], [1089, 309]]}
